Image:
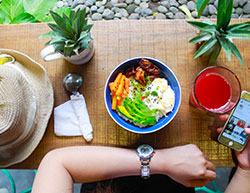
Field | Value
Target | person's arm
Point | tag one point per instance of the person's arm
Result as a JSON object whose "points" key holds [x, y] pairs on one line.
{"points": [[60, 168], [241, 179], [240, 182]]}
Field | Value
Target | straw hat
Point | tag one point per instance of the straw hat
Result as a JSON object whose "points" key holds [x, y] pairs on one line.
{"points": [[26, 103]]}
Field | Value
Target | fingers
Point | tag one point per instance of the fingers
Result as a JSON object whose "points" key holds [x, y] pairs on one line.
{"points": [[231, 104], [219, 130], [203, 179], [247, 130], [223, 117], [198, 183], [206, 175], [210, 166], [210, 175]]}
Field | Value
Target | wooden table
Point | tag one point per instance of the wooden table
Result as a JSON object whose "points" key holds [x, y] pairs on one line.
{"points": [[116, 41]]}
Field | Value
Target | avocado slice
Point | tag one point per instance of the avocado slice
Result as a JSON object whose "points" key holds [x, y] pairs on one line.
{"points": [[132, 109], [148, 121], [144, 108], [128, 106], [137, 112], [124, 112]]}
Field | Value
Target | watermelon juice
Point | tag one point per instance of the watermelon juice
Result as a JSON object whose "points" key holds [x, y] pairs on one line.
{"points": [[213, 92]]}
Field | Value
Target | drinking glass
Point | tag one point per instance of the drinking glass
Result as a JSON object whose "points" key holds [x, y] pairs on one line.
{"points": [[216, 89]]}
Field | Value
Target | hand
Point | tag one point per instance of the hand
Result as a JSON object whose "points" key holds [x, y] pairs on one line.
{"points": [[187, 165], [243, 157]]}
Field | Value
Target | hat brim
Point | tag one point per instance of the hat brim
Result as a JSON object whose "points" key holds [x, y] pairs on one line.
{"points": [[43, 91]]}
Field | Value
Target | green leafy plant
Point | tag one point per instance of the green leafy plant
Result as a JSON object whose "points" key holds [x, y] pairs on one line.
{"points": [[70, 34], [200, 6], [60, 11], [24, 11], [186, 11], [220, 35]]}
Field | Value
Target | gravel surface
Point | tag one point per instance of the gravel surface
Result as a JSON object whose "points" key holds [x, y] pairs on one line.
{"points": [[149, 9]]}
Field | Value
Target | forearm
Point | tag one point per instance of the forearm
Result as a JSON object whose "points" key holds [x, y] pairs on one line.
{"points": [[60, 168], [240, 182]]}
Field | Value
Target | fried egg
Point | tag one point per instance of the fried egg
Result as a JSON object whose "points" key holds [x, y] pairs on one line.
{"points": [[160, 96]]}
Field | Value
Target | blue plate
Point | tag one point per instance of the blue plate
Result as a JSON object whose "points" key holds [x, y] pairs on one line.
{"points": [[166, 73]]}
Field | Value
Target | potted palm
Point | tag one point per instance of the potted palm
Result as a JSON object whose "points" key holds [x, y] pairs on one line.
{"points": [[70, 38], [213, 37]]}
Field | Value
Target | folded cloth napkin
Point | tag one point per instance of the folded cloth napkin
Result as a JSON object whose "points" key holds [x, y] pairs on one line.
{"points": [[71, 118]]}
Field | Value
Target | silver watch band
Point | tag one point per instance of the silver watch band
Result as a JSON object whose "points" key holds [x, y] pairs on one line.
{"points": [[145, 170], [145, 153]]}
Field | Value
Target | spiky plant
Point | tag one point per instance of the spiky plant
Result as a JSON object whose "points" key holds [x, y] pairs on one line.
{"points": [[70, 34], [220, 35]]}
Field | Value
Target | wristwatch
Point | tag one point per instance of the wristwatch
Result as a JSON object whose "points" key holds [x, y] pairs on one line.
{"points": [[145, 152]]}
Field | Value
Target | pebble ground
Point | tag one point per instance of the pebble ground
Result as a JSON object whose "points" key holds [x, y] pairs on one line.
{"points": [[149, 9]]}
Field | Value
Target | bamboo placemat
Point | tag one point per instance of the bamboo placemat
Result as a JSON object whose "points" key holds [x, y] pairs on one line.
{"points": [[116, 41]]}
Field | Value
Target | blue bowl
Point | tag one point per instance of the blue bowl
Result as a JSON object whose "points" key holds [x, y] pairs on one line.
{"points": [[166, 73]]}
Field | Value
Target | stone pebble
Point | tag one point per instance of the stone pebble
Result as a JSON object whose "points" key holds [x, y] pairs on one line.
{"points": [[149, 9]]}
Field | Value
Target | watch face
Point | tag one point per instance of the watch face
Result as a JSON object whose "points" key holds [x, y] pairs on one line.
{"points": [[145, 151]]}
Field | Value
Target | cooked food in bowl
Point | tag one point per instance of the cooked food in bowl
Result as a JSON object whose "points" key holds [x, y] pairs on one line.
{"points": [[140, 95]]}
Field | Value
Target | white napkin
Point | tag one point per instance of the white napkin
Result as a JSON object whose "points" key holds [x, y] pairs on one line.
{"points": [[72, 119]]}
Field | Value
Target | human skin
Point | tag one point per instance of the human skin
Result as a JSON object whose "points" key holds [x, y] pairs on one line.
{"points": [[186, 164], [240, 181], [62, 167]]}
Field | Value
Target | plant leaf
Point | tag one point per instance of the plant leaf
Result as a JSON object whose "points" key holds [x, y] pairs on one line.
{"points": [[74, 20], [215, 54], [71, 15], [239, 26], [51, 34], [59, 11], [83, 35], [61, 25], [239, 34], [2, 17], [236, 52], [58, 41], [39, 8], [24, 18], [200, 38], [58, 19], [207, 53], [85, 43], [203, 26], [205, 47], [68, 51], [186, 11], [77, 23], [47, 43], [225, 43], [201, 5], [228, 13], [221, 12], [198, 24], [11, 9], [87, 28], [82, 21], [68, 24], [62, 32]]}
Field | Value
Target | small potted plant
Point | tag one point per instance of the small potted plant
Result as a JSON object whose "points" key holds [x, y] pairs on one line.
{"points": [[70, 38], [213, 37]]}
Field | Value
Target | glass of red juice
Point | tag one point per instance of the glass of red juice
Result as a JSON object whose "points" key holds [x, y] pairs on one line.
{"points": [[216, 89]]}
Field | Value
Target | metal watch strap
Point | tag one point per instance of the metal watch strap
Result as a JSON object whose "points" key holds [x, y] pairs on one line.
{"points": [[145, 170], [145, 152]]}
